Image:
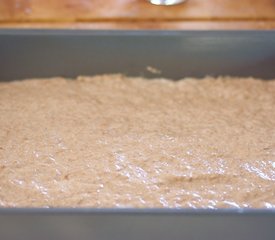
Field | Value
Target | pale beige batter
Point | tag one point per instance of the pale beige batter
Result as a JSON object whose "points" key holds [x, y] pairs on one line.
{"points": [[113, 141]]}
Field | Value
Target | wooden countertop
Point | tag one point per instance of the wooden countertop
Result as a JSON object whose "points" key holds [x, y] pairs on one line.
{"points": [[138, 14]]}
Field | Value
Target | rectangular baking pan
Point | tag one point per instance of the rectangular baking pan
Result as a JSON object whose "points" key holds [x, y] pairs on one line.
{"points": [[68, 53]]}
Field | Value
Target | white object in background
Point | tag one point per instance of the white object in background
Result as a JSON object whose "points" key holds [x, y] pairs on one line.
{"points": [[166, 2]]}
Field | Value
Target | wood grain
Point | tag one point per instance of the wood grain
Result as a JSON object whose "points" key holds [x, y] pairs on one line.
{"points": [[151, 25], [92, 10], [137, 14]]}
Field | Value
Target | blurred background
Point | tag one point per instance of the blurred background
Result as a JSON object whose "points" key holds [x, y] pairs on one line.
{"points": [[138, 14]]}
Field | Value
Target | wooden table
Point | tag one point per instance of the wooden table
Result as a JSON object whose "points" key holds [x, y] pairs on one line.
{"points": [[137, 14]]}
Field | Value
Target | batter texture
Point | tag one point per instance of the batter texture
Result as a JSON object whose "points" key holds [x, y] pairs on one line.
{"points": [[116, 141]]}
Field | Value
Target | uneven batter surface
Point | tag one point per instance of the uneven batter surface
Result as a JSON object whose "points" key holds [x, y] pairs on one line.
{"points": [[113, 141]]}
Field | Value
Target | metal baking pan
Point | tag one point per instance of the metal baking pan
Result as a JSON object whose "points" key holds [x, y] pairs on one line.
{"points": [[47, 53]]}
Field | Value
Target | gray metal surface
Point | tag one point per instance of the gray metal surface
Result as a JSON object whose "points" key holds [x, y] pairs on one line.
{"points": [[177, 54], [136, 224], [29, 53]]}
